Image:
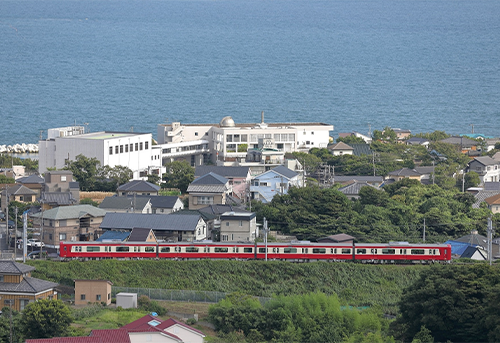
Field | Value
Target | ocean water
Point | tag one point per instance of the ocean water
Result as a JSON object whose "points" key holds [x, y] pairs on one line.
{"points": [[124, 65]]}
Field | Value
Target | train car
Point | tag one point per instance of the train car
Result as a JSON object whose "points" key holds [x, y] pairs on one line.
{"points": [[93, 250], [295, 251], [402, 252]]}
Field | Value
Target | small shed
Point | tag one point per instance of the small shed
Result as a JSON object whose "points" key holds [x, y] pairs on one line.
{"points": [[92, 291], [126, 300]]}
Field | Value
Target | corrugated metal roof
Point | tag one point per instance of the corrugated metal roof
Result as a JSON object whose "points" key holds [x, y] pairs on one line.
{"points": [[288, 173], [114, 235], [70, 212]]}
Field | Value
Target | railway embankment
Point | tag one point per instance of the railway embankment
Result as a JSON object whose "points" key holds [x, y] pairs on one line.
{"points": [[356, 284]]}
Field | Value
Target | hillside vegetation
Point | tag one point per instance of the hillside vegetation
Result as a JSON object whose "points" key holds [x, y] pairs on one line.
{"points": [[355, 284]]}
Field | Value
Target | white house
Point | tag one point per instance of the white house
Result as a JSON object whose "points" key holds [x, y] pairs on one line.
{"points": [[238, 226], [129, 149], [487, 168], [275, 181]]}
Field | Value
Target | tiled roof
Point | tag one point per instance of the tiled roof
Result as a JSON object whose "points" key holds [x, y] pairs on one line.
{"points": [[124, 203], [31, 179], [58, 198], [361, 149], [347, 178], [492, 186], [485, 160], [217, 209], [138, 186], [28, 285], [157, 222], [210, 179], [482, 196], [11, 267], [206, 188], [424, 169], [70, 340], [19, 190], [205, 215], [70, 212], [405, 172], [222, 171], [74, 185], [288, 173], [112, 335], [494, 200], [340, 146], [464, 142], [139, 235], [163, 201], [355, 187]]}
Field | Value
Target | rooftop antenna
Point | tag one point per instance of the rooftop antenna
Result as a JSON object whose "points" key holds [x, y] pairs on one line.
{"points": [[131, 129], [369, 130], [41, 134], [262, 117], [472, 128]]}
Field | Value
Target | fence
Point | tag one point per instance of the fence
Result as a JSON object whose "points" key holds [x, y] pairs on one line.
{"points": [[176, 295]]}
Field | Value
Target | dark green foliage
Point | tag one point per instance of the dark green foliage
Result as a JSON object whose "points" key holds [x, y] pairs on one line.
{"points": [[5, 179], [179, 175], [89, 201], [5, 326], [351, 140], [455, 303], [7, 161], [46, 319], [312, 317], [150, 306]]}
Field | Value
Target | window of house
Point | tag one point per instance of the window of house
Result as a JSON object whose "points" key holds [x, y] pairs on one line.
{"points": [[136, 146], [1, 278], [121, 149], [50, 236], [146, 145], [109, 296], [225, 238], [241, 223], [140, 146], [205, 200], [23, 303], [82, 296], [131, 147], [126, 147], [116, 149], [227, 223], [98, 297], [63, 178]]}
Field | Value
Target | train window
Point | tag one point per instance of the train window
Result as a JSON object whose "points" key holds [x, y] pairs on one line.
{"points": [[137, 249], [206, 249], [346, 251], [361, 251], [333, 251], [149, 249], [165, 249], [122, 249], [389, 251], [78, 249], [305, 250], [374, 251], [417, 251], [236, 249], [434, 252], [191, 249], [177, 249], [91, 249], [319, 251], [262, 250], [290, 250], [65, 249], [221, 249], [275, 249], [248, 250]]}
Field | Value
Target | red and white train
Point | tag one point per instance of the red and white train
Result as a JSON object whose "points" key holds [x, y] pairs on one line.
{"points": [[295, 251]]}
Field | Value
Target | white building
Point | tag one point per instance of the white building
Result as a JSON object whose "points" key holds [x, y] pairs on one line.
{"points": [[129, 149], [228, 141]]}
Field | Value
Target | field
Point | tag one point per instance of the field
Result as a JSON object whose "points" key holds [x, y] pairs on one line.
{"points": [[355, 284]]}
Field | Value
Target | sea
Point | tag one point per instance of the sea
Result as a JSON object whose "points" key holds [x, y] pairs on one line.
{"points": [[360, 65]]}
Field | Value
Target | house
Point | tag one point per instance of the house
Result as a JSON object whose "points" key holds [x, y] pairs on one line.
{"points": [[18, 288], [404, 173], [487, 168], [138, 187], [146, 329], [208, 189], [360, 149], [18, 193], [126, 204], [476, 239], [475, 253], [367, 139], [166, 204], [239, 177], [240, 226], [463, 143], [352, 191], [92, 291], [418, 141], [275, 181], [341, 148], [142, 235], [34, 182], [490, 143], [59, 189], [211, 220], [401, 134], [338, 238], [376, 181], [493, 203], [69, 223], [130, 149], [170, 227]]}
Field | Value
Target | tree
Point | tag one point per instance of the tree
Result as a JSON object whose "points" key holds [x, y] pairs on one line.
{"points": [[351, 140], [471, 179], [46, 319], [109, 179], [179, 175], [84, 171], [5, 179], [5, 326]]}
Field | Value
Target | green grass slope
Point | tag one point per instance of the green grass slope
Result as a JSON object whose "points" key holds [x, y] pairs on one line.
{"points": [[355, 284]]}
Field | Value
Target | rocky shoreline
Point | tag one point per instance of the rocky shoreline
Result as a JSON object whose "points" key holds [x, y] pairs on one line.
{"points": [[19, 148]]}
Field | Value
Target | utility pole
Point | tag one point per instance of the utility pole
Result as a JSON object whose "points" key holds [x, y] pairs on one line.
{"points": [[15, 235], [373, 161], [424, 230], [265, 235], [490, 245]]}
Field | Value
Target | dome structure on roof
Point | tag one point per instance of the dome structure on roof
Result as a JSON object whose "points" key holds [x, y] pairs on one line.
{"points": [[227, 122]]}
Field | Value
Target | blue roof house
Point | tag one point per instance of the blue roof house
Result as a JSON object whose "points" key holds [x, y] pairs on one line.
{"points": [[275, 181]]}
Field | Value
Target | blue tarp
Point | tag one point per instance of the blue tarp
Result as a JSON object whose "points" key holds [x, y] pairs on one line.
{"points": [[113, 235], [458, 248]]}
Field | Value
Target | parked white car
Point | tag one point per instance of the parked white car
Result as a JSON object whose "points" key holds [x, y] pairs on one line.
{"points": [[35, 243]]}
